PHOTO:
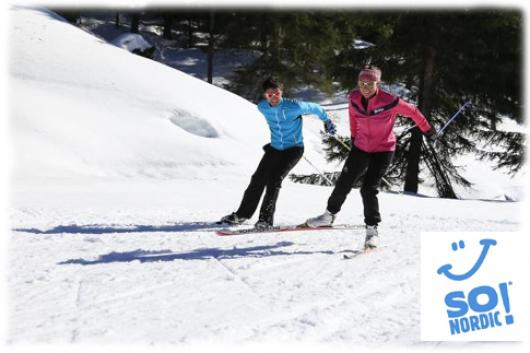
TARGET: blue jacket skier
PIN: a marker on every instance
(284, 117)
(285, 121)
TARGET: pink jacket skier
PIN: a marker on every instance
(372, 127)
(373, 113)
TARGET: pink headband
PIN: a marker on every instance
(370, 75)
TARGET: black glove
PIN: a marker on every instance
(330, 127)
(431, 135)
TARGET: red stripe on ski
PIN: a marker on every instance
(280, 229)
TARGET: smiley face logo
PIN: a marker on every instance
(445, 269)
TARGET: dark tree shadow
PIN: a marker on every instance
(277, 249)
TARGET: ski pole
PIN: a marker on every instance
(440, 132)
(348, 148)
(318, 170)
(410, 128)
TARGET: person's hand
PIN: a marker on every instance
(330, 127)
(431, 135)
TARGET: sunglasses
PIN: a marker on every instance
(275, 93)
(367, 84)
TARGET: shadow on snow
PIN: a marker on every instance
(277, 249)
(109, 229)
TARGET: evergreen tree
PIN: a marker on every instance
(297, 47)
(168, 26)
(135, 22)
(445, 58)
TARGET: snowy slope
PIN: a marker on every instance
(137, 117)
(121, 163)
(119, 114)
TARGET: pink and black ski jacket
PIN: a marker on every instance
(372, 129)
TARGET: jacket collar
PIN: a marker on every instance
(277, 105)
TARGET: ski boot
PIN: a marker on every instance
(372, 237)
(325, 219)
(262, 225)
(232, 219)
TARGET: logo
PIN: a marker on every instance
(469, 286)
(446, 268)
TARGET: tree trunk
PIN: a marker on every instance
(190, 32)
(263, 34)
(443, 183)
(275, 42)
(117, 20)
(168, 25)
(413, 162)
(493, 121)
(135, 23)
(211, 44)
(425, 105)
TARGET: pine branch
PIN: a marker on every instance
(315, 179)
(509, 147)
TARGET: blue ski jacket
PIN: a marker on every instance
(285, 121)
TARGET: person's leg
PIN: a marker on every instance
(285, 161)
(377, 167)
(353, 169)
(257, 184)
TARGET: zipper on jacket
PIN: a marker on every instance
(285, 119)
(279, 128)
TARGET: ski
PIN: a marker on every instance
(356, 253)
(280, 229)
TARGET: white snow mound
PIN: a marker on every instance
(80, 106)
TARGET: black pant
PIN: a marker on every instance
(273, 167)
(373, 166)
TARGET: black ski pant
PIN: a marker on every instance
(373, 166)
(272, 169)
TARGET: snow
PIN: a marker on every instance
(134, 118)
(362, 44)
(177, 282)
(121, 163)
(131, 42)
(511, 125)
(194, 62)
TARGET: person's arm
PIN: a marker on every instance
(316, 109)
(313, 108)
(411, 111)
(353, 120)
(260, 107)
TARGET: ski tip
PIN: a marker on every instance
(308, 227)
(356, 253)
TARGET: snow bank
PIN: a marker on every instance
(80, 106)
(131, 42)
